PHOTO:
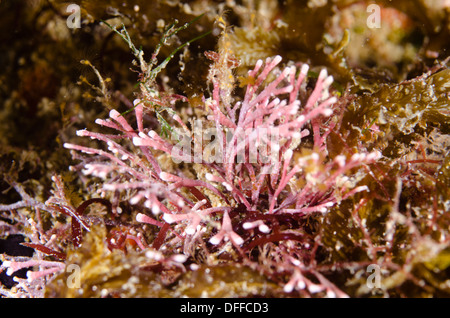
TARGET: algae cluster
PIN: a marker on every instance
(393, 85)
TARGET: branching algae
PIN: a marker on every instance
(257, 151)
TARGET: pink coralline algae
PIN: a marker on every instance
(255, 181)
